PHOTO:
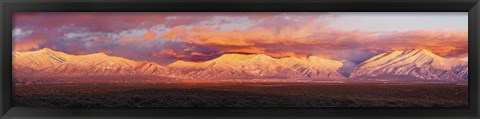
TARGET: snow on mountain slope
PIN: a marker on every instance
(41, 60)
(313, 67)
(422, 64)
(411, 64)
(54, 63)
(241, 66)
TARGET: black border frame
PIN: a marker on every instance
(10, 6)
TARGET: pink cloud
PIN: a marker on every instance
(274, 34)
(311, 33)
(33, 42)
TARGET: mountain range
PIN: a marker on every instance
(49, 62)
(240, 66)
(57, 66)
(422, 64)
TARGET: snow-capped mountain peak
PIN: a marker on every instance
(418, 64)
(421, 63)
(50, 62)
(242, 57)
(237, 66)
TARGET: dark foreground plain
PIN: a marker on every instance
(241, 95)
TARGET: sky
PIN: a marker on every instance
(165, 37)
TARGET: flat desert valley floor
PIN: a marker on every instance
(242, 95)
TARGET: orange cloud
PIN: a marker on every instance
(34, 41)
(264, 40)
(175, 32)
(255, 50)
(200, 54)
(289, 35)
(301, 34)
(126, 40)
(170, 53)
(25, 46)
(149, 35)
(441, 42)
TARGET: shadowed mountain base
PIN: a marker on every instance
(242, 95)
